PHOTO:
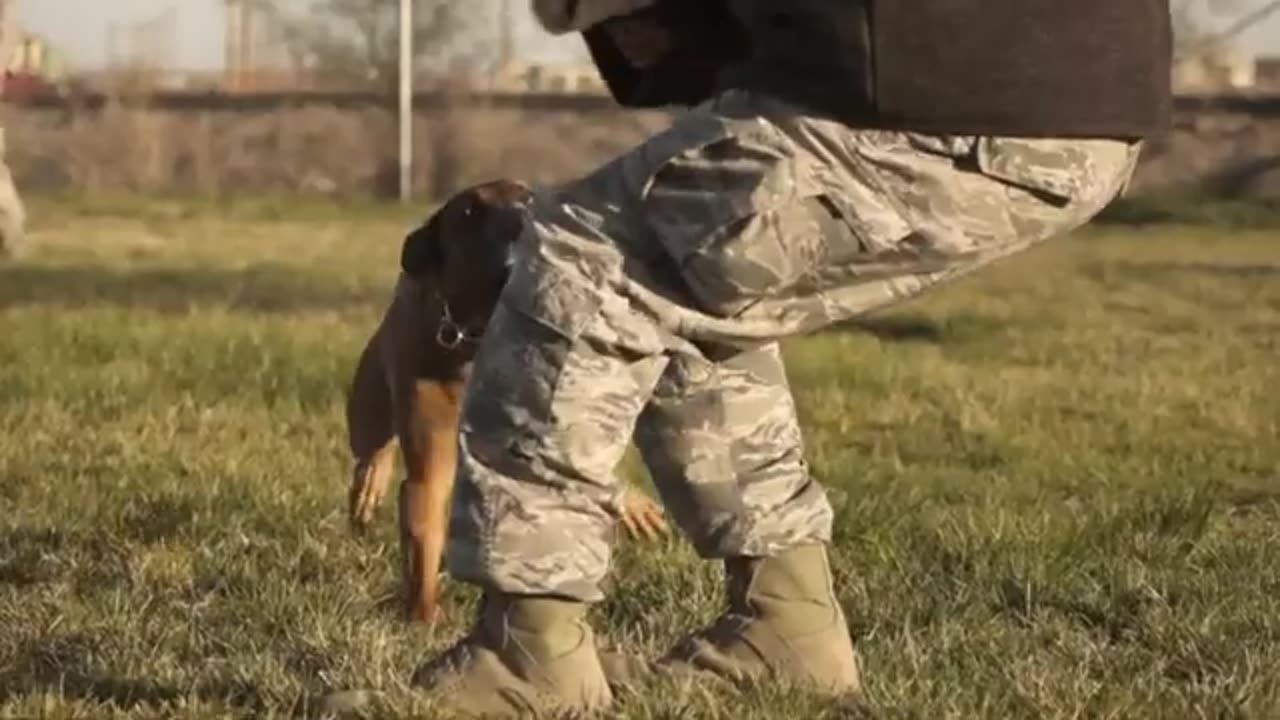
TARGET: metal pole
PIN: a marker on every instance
(234, 41)
(10, 33)
(406, 99)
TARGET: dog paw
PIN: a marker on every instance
(369, 483)
(425, 615)
(642, 517)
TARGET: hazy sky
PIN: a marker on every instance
(80, 27)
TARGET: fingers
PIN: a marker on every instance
(652, 525)
(643, 519)
(635, 528)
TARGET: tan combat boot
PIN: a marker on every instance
(783, 623)
(525, 655)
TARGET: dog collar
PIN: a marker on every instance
(450, 334)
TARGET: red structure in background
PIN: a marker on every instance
(18, 86)
(29, 66)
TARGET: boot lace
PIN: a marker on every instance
(724, 630)
(444, 670)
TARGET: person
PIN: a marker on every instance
(12, 213)
(837, 157)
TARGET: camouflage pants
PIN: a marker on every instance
(650, 298)
(12, 215)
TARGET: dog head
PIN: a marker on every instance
(465, 249)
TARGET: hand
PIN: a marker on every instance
(642, 517)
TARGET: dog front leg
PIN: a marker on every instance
(370, 432)
(430, 459)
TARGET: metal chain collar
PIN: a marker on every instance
(450, 334)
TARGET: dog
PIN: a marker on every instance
(412, 373)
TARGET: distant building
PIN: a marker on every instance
(32, 66)
(1267, 74)
(527, 77)
(33, 55)
(1216, 70)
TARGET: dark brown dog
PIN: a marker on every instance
(412, 373)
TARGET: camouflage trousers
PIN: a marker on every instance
(12, 214)
(649, 300)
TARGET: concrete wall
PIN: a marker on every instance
(1227, 147)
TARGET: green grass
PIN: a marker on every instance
(1058, 483)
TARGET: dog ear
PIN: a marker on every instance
(423, 249)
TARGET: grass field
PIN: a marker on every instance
(1058, 483)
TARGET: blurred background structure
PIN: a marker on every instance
(225, 96)
(293, 45)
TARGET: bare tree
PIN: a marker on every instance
(1193, 24)
(355, 42)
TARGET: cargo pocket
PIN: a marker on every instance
(552, 299)
(512, 411)
(741, 214)
(1055, 171)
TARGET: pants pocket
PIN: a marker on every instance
(537, 326)
(742, 213)
(1056, 171)
(553, 299)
